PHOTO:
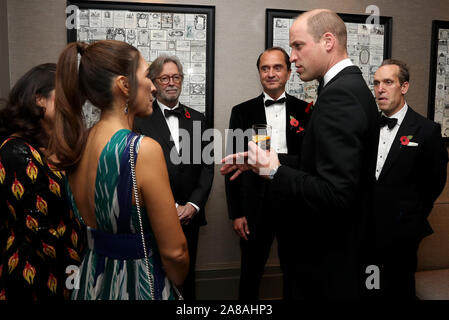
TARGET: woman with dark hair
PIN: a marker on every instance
(113, 76)
(39, 236)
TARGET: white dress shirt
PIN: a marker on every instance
(173, 126)
(332, 72)
(386, 138)
(275, 115)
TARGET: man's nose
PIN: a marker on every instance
(292, 57)
(380, 87)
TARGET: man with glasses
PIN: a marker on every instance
(175, 126)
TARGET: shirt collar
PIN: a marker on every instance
(163, 106)
(267, 97)
(400, 115)
(332, 72)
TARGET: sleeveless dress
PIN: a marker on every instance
(113, 267)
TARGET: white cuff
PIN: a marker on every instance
(195, 206)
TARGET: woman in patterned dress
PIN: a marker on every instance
(39, 236)
(112, 75)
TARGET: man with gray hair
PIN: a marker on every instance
(179, 130)
(334, 181)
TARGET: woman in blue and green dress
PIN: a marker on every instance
(112, 75)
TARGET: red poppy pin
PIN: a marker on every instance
(405, 140)
(309, 107)
(186, 113)
(293, 122)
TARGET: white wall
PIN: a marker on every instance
(4, 54)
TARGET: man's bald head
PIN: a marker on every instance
(320, 21)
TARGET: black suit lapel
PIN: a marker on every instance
(161, 127)
(259, 111)
(320, 86)
(290, 134)
(408, 128)
(186, 124)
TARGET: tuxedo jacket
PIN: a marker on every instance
(333, 184)
(246, 195)
(411, 179)
(190, 177)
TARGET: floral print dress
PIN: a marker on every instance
(39, 235)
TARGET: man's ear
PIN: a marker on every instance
(329, 40)
(122, 84)
(404, 87)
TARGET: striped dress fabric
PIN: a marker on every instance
(109, 271)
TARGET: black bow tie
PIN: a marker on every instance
(390, 122)
(172, 112)
(269, 102)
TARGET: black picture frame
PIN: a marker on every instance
(195, 37)
(307, 91)
(438, 103)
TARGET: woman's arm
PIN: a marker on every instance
(154, 185)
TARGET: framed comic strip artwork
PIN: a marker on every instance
(155, 29)
(368, 45)
(438, 109)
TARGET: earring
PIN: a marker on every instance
(126, 108)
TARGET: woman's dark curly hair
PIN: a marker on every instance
(20, 113)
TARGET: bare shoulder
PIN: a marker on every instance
(150, 149)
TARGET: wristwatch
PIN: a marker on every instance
(273, 172)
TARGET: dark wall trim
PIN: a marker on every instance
(224, 284)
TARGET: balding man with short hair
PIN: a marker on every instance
(251, 202)
(411, 173)
(335, 179)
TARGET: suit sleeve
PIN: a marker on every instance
(234, 188)
(202, 189)
(289, 160)
(338, 129)
(436, 168)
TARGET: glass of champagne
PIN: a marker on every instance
(262, 135)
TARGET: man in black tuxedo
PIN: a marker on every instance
(411, 173)
(335, 178)
(251, 202)
(179, 130)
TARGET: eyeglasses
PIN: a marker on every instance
(177, 78)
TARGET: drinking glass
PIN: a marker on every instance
(262, 135)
